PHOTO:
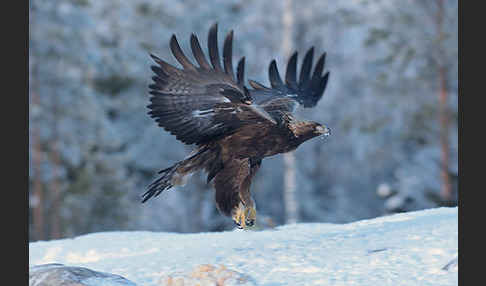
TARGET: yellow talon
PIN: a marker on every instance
(244, 217)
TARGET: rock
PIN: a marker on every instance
(56, 274)
(208, 275)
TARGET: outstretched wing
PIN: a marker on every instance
(286, 96)
(199, 104)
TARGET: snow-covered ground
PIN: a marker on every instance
(416, 248)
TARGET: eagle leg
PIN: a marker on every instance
(244, 216)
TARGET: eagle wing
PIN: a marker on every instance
(199, 104)
(285, 97)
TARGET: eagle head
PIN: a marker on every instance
(305, 130)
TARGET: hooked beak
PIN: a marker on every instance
(260, 111)
(324, 130)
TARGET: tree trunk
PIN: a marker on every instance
(446, 191)
(55, 218)
(37, 199)
(290, 200)
(446, 188)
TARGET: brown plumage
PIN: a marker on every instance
(233, 127)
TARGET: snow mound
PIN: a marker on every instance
(415, 248)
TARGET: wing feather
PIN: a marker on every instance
(213, 47)
(319, 67)
(201, 104)
(198, 53)
(179, 55)
(291, 73)
(240, 71)
(274, 76)
(227, 56)
(306, 66)
(257, 85)
(285, 97)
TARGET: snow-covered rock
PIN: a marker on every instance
(414, 248)
(55, 274)
(208, 275)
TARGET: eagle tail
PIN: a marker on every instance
(162, 183)
(177, 174)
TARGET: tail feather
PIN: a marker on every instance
(179, 172)
(161, 184)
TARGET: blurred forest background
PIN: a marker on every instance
(391, 102)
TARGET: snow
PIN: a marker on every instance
(414, 248)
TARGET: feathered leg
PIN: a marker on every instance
(244, 215)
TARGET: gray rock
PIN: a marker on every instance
(56, 274)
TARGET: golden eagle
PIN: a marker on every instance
(233, 127)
